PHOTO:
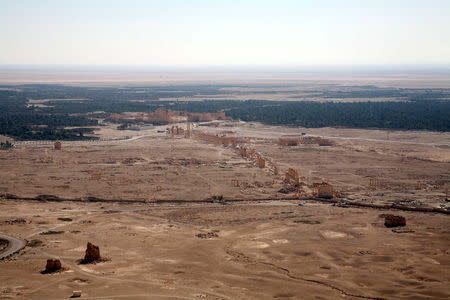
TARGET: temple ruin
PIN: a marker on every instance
(166, 116)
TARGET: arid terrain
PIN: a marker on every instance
(130, 77)
(188, 218)
(225, 150)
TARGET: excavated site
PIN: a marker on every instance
(228, 210)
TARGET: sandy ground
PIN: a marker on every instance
(129, 78)
(259, 252)
(147, 169)
(408, 167)
(248, 250)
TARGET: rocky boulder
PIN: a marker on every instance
(76, 294)
(92, 254)
(394, 221)
(52, 266)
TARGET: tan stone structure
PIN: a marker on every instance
(52, 266)
(288, 141)
(276, 171)
(394, 221)
(260, 162)
(235, 182)
(165, 116)
(176, 130)
(292, 176)
(243, 152)
(96, 176)
(218, 140)
(310, 140)
(92, 254)
(324, 190)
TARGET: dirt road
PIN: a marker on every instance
(14, 245)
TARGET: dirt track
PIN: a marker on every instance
(14, 245)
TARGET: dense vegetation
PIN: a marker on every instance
(28, 123)
(432, 115)
(419, 108)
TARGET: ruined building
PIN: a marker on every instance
(324, 190)
(260, 162)
(288, 141)
(292, 176)
(52, 266)
(175, 130)
(92, 254)
(165, 116)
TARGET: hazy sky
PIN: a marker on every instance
(216, 32)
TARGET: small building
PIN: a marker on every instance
(57, 146)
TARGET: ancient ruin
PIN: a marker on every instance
(394, 221)
(175, 130)
(76, 294)
(52, 266)
(218, 139)
(57, 146)
(165, 116)
(260, 162)
(275, 170)
(92, 254)
(96, 176)
(188, 131)
(292, 176)
(324, 190)
(311, 140)
(289, 141)
(375, 183)
(242, 151)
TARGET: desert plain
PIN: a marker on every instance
(180, 217)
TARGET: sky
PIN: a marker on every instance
(224, 32)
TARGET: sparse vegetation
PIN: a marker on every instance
(34, 243)
(6, 145)
(49, 232)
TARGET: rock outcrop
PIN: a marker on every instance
(92, 254)
(208, 235)
(76, 294)
(394, 221)
(52, 266)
